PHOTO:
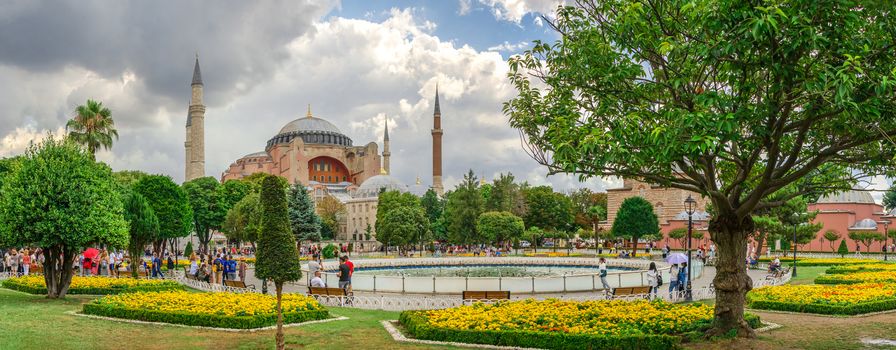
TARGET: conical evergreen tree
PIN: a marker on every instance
(303, 220)
(277, 257)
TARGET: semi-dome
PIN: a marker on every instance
(312, 130)
(372, 186)
(851, 196)
(864, 224)
(256, 154)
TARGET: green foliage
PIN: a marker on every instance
(501, 195)
(329, 251)
(831, 236)
(13, 284)
(842, 249)
(144, 225)
(547, 209)
(243, 221)
(680, 234)
(462, 210)
(825, 308)
(170, 204)
(405, 225)
(434, 206)
(416, 324)
(204, 320)
(277, 256)
(205, 198)
(304, 222)
(500, 226)
(57, 196)
(867, 238)
(635, 219)
(127, 178)
(391, 200)
(890, 198)
(330, 209)
(588, 207)
(92, 127)
(188, 250)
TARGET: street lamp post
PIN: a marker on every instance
(886, 238)
(795, 223)
(690, 204)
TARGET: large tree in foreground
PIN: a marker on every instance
(278, 259)
(59, 199)
(725, 98)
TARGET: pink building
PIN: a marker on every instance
(845, 212)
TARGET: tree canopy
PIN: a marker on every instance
(208, 206)
(635, 219)
(727, 99)
(406, 225)
(169, 203)
(58, 198)
(303, 220)
(500, 226)
(143, 225)
(92, 127)
(547, 209)
(462, 210)
(243, 221)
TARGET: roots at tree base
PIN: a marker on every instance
(731, 281)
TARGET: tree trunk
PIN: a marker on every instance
(280, 343)
(731, 281)
(760, 240)
(65, 277)
(51, 273)
(58, 273)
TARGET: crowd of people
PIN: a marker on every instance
(344, 272)
(19, 261)
(218, 267)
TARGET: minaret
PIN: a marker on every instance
(195, 144)
(437, 147)
(386, 152)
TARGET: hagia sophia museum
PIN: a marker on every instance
(312, 151)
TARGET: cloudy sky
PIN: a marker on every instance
(356, 62)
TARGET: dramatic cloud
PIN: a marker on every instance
(262, 65)
(515, 10)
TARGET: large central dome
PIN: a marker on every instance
(312, 130)
(310, 124)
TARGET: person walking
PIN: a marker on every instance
(26, 261)
(345, 277)
(194, 264)
(673, 281)
(171, 264)
(602, 269)
(14, 263)
(242, 270)
(219, 269)
(683, 277)
(231, 268)
(653, 280)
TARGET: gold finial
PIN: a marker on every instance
(418, 179)
(309, 111)
(383, 171)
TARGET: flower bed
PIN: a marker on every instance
(861, 268)
(841, 299)
(92, 285)
(556, 324)
(821, 262)
(219, 310)
(858, 277)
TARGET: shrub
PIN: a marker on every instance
(825, 299)
(188, 249)
(330, 251)
(842, 249)
(92, 285)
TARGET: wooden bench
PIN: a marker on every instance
(486, 295)
(327, 292)
(780, 273)
(238, 284)
(626, 291)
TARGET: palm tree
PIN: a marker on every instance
(92, 127)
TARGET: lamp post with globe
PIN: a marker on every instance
(690, 205)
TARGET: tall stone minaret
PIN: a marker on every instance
(386, 152)
(437, 147)
(195, 144)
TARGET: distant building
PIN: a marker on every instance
(849, 211)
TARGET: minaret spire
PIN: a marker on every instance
(194, 145)
(437, 146)
(197, 74)
(386, 153)
(308, 115)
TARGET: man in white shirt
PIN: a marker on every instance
(313, 266)
(316, 281)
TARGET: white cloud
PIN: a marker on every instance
(17, 141)
(515, 10)
(464, 7)
(508, 47)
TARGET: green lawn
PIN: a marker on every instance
(807, 274)
(33, 322)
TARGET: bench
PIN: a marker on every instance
(486, 295)
(326, 293)
(627, 291)
(238, 284)
(779, 273)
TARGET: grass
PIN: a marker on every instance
(807, 274)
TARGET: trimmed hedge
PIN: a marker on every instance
(417, 326)
(825, 309)
(217, 321)
(827, 280)
(10, 284)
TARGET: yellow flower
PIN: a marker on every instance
(227, 304)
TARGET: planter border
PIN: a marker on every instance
(820, 315)
(236, 330)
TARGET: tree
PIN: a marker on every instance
(277, 256)
(548, 210)
(59, 199)
(842, 249)
(867, 238)
(391, 200)
(243, 221)
(304, 221)
(433, 206)
(831, 236)
(92, 127)
(127, 178)
(534, 235)
(502, 193)
(585, 203)
(406, 225)
(726, 99)
(170, 204)
(330, 209)
(890, 198)
(462, 210)
(205, 198)
(500, 226)
(635, 219)
(233, 191)
(679, 234)
(188, 249)
(143, 224)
